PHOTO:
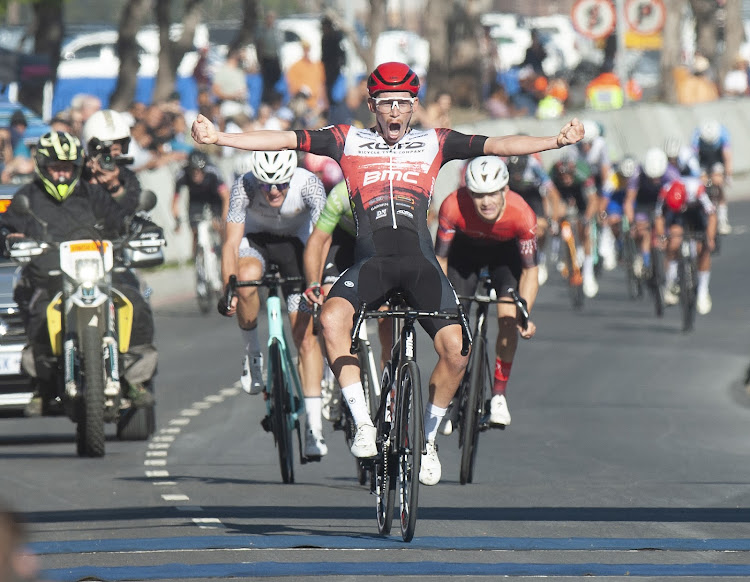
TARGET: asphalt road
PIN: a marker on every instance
(627, 456)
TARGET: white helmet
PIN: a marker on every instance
(274, 167)
(672, 146)
(655, 163)
(710, 132)
(591, 130)
(627, 166)
(108, 126)
(486, 174)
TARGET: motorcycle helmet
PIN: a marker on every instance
(655, 163)
(676, 196)
(486, 175)
(393, 76)
(274, 167)
(108, 127)
(53, 147)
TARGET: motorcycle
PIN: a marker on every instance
(89, 324)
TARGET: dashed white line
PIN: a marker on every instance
(208, 522)
(156, 453)
(214, 398)
(164, 483)
(157, 474)
(229, 391)
(155, 462)
(173, 430)
(179, 421)
(202, 405)
(175, 497)
(159, 445)
(190, 412)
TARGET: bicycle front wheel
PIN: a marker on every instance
(385, 470)
(474, 386)
(202, 283)
(635, 290)
(280, 411)
(575, 280)
(687, 293)
(410, 437)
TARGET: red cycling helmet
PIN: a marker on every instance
(393, 76)
(676, 196)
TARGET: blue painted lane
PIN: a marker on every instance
(421, 569)
(379, 543)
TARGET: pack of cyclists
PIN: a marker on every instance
(346, 209)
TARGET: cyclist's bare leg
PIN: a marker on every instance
(310, 354)
(248, 303)
(336, 322)
(507, 333)
(450, 367)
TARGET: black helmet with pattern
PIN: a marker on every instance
(55, 147)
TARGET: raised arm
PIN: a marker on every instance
(521, 145)
(203, 131)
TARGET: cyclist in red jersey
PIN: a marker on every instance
(485, 225)
(390, 170)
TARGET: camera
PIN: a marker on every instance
(102, 153)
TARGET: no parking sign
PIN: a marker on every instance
(645, 16)
(594, 18)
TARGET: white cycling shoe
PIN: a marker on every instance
(499, 413)
(703, 303)
(315, 445)
(364, 445)
(430, 471)
(590, 287)
(251, 380)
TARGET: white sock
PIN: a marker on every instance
(671, 273)
(251, 341)
(588, 266)
(313, 410)
(703, 278)
(355, 400)
(432, 417)
(721, 212)
(542, 257)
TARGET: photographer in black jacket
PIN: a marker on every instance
(71, 208)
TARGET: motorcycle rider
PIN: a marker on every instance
(62, 207)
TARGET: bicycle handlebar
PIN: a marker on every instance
(520, 303)
(270, 279)
(411, 314)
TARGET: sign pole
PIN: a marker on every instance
(620, 61)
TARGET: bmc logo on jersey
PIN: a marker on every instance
(387, 175)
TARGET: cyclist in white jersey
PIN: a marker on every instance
(272, 209)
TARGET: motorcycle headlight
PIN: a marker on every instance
(88, 271)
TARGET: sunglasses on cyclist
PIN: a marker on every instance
(268, 187)
(386, 104)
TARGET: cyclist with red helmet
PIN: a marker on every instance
(683, 205)
(391, 170)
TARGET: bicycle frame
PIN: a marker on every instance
(399, 418)
(573, 271)
(207, 262)
(283, 410)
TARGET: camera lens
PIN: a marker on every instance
(107, 162)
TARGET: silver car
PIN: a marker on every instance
(15, 385)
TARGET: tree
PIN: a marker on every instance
(47, 28)
(127, 50)
(172, 52)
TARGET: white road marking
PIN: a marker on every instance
(164, 483)
(190, 412)
(175, 497)
(157, 474)
(155, 462)
(208, 522)
(156, 453)
(179, 421)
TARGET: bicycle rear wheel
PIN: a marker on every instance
(280, 410)
(575, 280)
(385, 466)
(202, 283)
(658, 279)
(687, 293)
(635, 286)
(473, 385)
(410, 434)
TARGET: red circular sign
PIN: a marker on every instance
(594, 18)
(645, 16)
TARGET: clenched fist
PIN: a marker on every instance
(571, 133)
(203, 131)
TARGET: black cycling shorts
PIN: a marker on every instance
(340, 256)
(418, 275)
(468, 257)
(286, 252)
(693, 219)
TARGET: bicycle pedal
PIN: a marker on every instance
(266, 423)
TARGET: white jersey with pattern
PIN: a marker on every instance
(300, 210)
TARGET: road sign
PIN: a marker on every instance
(645, 16)
(594, 18)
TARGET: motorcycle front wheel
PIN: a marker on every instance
(90, 429)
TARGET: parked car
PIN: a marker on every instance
(15, 386)
(94, 54)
